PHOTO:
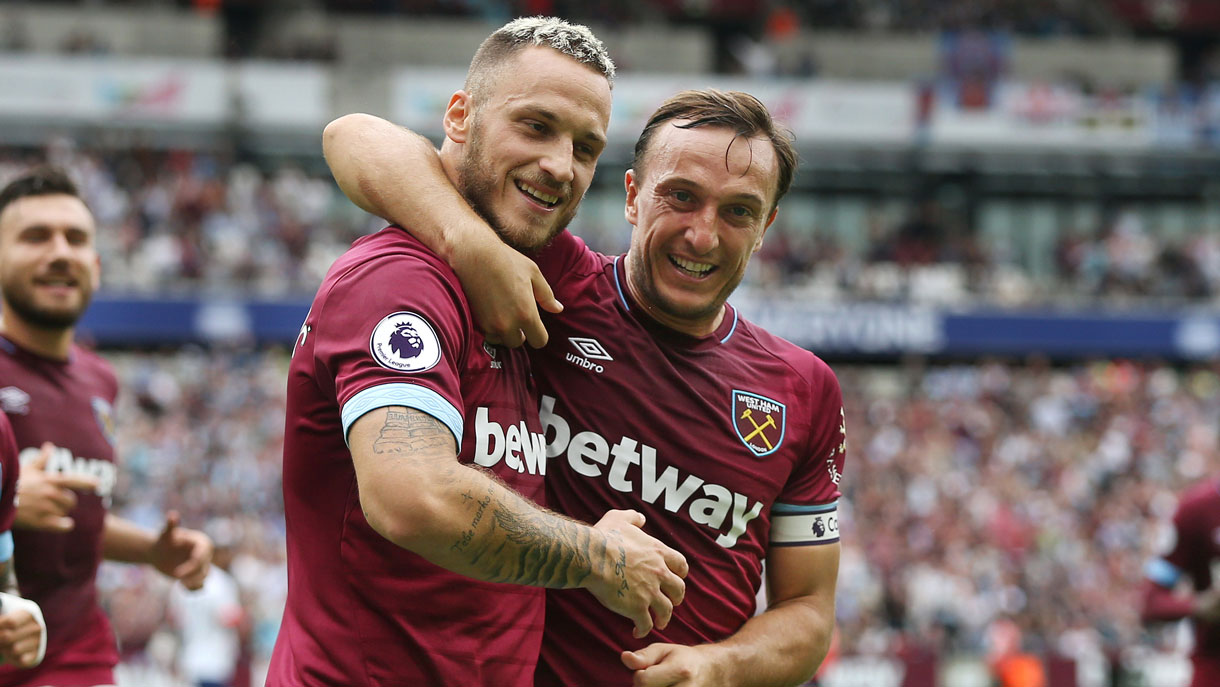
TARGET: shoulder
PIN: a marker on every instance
(388, 254)
(567, 257)
(802, 362)
(1199, 500)
(96, 368)
(389, 261)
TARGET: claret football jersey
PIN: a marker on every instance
(729, 444)
(68, 403)
(391, 327)
(1194, 556)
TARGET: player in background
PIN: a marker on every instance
(23, 633)
(58, 393)
(211, 621)
(658, 396)
(1185, 581)
(413, 454)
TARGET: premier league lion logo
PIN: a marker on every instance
(819, 528)
(405, 342)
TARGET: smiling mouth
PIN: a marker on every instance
(692, 268)
(56, 283)
(545, 199)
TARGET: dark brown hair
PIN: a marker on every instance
(741, 112)
(39, 181)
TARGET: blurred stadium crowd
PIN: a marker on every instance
(197, 222)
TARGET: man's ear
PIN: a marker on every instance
(629, 211)
(759, 241)
(458, 117)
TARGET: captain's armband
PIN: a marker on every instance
(793, 525)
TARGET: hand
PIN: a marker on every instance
(20, 637)
(502, 287)
(181, 553)
(44, 499)
(643, 579)
(662, 665)
(1207, 605)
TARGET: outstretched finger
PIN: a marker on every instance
(172, 519)
(71, 481)
(39, 462)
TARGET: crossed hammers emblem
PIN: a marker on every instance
(758, 429)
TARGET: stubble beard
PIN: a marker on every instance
(478, 187)
(651, 299)
(21, 304)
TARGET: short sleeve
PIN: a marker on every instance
(806, 511)
(392, 331)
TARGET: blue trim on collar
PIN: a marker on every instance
(733, 328)
(619, 286)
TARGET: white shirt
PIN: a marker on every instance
(207, 620)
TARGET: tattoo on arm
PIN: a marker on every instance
(416, 435)
(507, 539)
(520, 544)
(410, 432)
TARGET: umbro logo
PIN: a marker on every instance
(590, 350)
(14, 401)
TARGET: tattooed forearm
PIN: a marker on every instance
(519, 544)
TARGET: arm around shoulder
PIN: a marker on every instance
(396, 174)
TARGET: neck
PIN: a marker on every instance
(698, 327)
(48, 343)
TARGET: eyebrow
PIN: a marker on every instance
(551, 117)
(740, 197)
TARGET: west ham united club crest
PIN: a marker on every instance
(759, 421)
(105, 417)
(405, 342)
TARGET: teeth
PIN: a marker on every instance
(689, 266)
(544, 197)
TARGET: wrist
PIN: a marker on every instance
(606, 573)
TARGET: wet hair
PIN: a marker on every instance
(39, 181)
(741, 112)
(574, 40)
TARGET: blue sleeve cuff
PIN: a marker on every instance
(1162, 572)
(6, 547)
(420, 398)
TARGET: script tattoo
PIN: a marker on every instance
(468, 535)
